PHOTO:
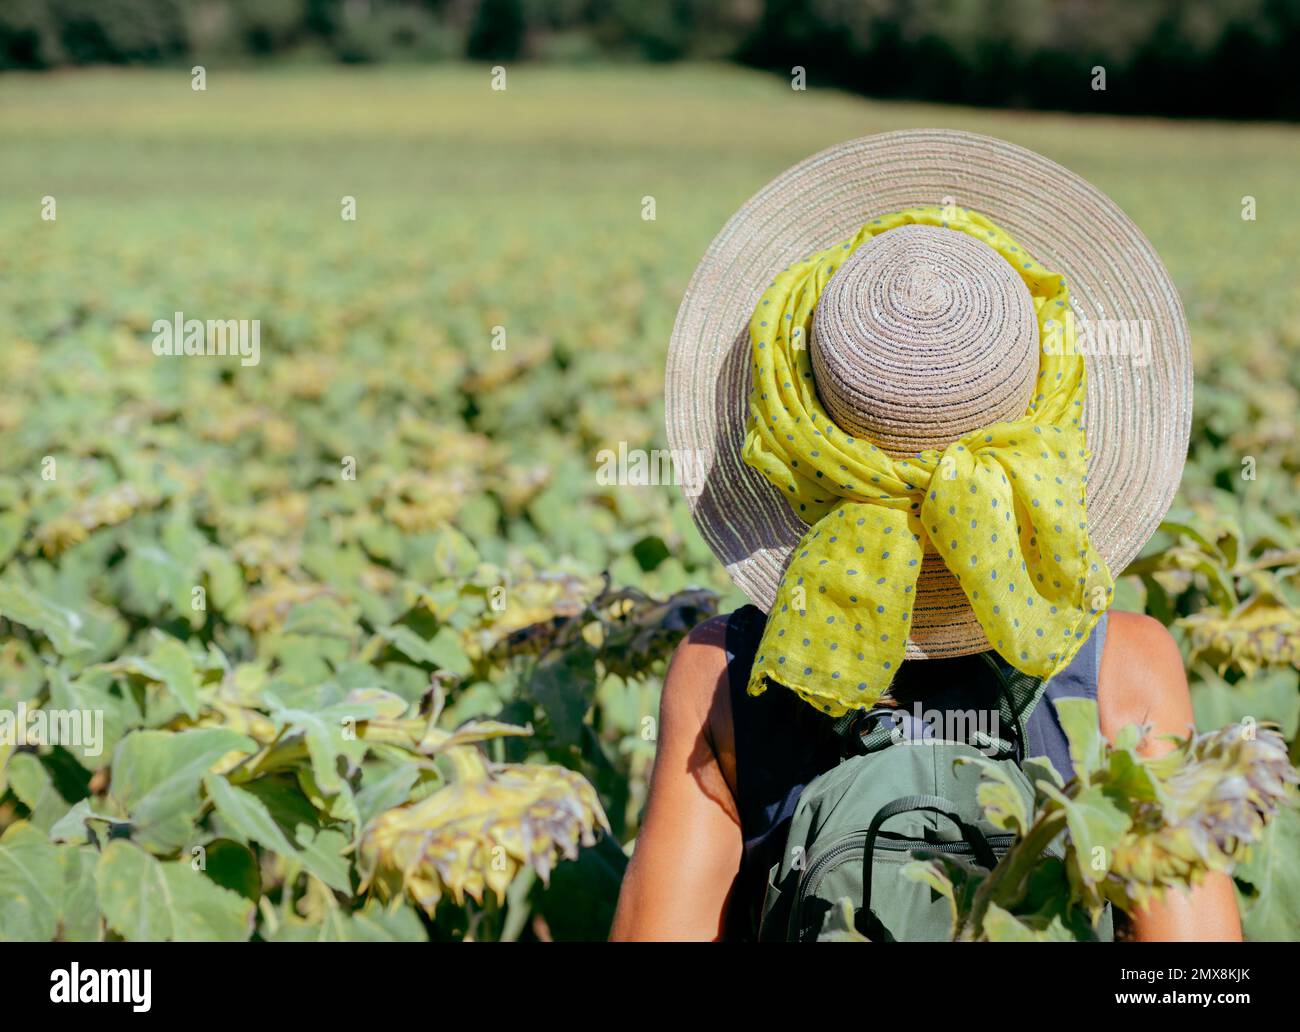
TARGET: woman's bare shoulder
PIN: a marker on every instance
(694, 674)
(1142, 678)
(696, 693)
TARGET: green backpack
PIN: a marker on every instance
(855, 826)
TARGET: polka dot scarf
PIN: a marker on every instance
(1003, 506)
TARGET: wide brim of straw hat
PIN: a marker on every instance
(1138, 414)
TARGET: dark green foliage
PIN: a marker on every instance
(1225, 59)
(46, 33)
(498, 31)
(1228, 58)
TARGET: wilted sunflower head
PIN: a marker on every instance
(1212, 807)
(479, 832)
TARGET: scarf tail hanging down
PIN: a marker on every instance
(1003, 506)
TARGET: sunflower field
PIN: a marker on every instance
(349, 639)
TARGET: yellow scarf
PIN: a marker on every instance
(1003, 506)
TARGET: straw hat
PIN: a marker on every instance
(925, 334)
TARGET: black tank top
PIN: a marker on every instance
(782, 743)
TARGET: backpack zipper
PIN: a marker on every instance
(855, 843)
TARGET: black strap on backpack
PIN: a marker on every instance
(1018, 694)
(865, 921)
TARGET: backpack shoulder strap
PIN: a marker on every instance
(1019, 694)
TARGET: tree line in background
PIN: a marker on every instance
(1217, 58)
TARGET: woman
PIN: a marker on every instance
(906, 481)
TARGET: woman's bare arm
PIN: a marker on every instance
(688, 852)
(1143, 682)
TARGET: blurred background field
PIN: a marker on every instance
(523, 209)
(478, 209)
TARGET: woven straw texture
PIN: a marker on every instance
(927, 333)
(923, 335)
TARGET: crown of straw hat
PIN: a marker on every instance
(924, 334)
